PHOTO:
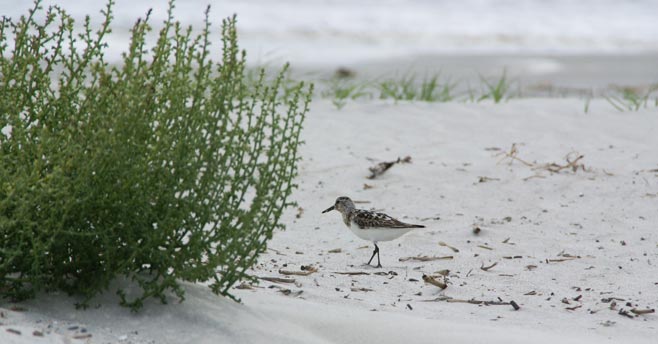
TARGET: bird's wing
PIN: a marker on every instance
(368, 219)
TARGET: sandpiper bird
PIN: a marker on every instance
(370, 225)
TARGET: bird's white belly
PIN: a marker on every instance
(379, 234)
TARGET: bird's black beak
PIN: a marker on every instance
(329, 209)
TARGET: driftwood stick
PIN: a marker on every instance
(515, 305)
(425, 258)
(354, 289)
(486, 268)
(625, 313)
(351, 273)
(480, 302)
(433, 281)
(454, 249)
(306, 270)
(476, 302)
(278, 279)
(382, 167)
(536, 175)
(558, 260)
(290, 292)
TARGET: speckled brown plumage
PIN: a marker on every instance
(367, 219)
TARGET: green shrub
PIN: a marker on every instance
(167, 167)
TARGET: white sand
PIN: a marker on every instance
(586, 214)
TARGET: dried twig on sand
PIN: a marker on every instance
(433, 281)
(566, 257)
(610, 299)
(351, 273)
(487, 268)
(536, 175)
(512, 155)
(278, 279)
(306, 270)
(441, 243)
(476, 302)
(625, 313)
(361, 289)
(573, 164)
(560, 260)
(425, 258)
(379, 169)
(276, 251)
(484, 179)
(289, 292)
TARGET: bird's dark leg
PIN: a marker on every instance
(379, 264)
(373, 254)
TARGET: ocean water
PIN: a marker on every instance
(323, 32)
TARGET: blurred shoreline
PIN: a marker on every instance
(546, 47)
